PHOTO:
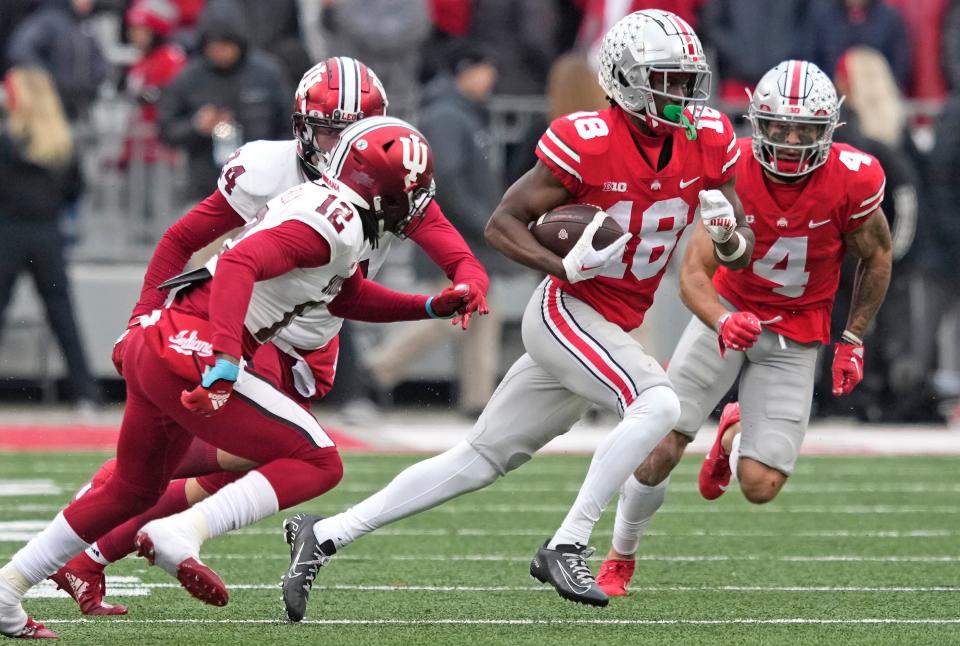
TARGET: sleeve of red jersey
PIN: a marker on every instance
(722, 150)
(448, 250)
(558, 149)
(204, 223)
(865, 189)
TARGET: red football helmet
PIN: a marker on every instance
(384, 166)
(332, 95)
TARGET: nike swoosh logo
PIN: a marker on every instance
(684, 184)
(585, 268)
(573, 586)
(814, 225)
(292, 572)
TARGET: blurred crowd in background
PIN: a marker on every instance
(118, 115)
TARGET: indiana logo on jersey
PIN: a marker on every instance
(188, 342)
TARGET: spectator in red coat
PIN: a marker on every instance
(150, 23)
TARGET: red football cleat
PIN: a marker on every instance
(715, 472)
(195, 577)
(87, 587)
(614, 576)
(33, 630)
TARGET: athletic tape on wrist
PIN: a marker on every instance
(850, 337)
(741, 247)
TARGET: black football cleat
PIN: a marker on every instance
(307, 556)
(565, 568)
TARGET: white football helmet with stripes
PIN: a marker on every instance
(647, 42)
(333, 94)
(793, 93)
(384, 167)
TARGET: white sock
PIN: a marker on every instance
(735, 455)
(241, 503)
(635, 509)
(417, 488)
(12, 588)
(94, 553)
(48, 551)
(647, 421)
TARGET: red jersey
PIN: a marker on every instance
(793, 275)
(597, 156)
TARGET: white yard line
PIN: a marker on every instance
(691, 558)
(466, 508)
(525, 622)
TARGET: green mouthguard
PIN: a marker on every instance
(675, 113)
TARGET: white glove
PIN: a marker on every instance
(717, 215)
(583, 261)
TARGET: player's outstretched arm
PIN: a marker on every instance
(537, 192)
(872, 244)
(722, 216)
(736, 330)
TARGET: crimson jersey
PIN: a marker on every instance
(793, 275)
(596, 157)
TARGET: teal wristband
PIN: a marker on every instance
(222, 369)
(430, 311)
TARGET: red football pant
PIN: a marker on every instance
(157, 430)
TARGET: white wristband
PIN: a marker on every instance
(741, 247)
(850, 337)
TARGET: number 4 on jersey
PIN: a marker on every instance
(785, 265)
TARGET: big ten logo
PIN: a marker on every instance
(615, 187)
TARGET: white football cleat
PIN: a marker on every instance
(177, 551)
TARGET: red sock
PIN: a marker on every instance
(200, 459)
(119, 542)
(214, 482)
(83, 563)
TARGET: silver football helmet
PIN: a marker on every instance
(793, 92)
(653, 41)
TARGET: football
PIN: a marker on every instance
(558, 230)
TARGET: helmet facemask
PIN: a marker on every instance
(788, 159)
(316, 137)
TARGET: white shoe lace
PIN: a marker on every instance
(577, 565)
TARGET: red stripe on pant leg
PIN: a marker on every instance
(583, 347)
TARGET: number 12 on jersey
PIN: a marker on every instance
(337, 214)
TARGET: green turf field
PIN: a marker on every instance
(856, 550)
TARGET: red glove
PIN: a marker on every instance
(452, 300)
(847, 367)
(214, 390)
(738, 331)
(476, 302)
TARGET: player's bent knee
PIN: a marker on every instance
(474, 469)
(758, 482)
(659, 406)
(662, 460)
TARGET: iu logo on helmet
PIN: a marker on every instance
(414, 157)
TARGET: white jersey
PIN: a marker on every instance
(257, 173)
(314, 329)
(277, 301)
